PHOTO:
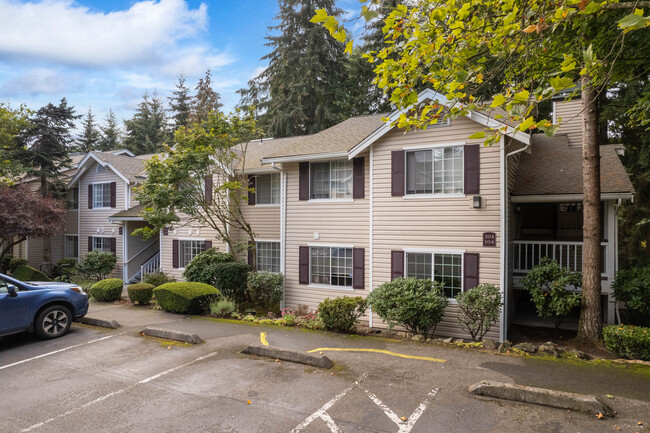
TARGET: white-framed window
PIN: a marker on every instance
(330, 179)
(100, 168)
(330, 266)
(187, 249)
(72, 198)
(435, 171)
(102, 244)
(267, 188)
(101, 195)
(71, 247)
(268, 256)
(446, 268)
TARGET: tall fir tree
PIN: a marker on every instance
(205, 101)
(111, 137)
(147, 130)
(89, 138)
(179, 103)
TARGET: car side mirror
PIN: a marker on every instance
(11, 289)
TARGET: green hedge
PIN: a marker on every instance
(340, 314)
(109, 290)
(27, 273)
(189, 298)
(231, 279)
(15, 262)
(140, 293)
(628, 341)
(203, 266)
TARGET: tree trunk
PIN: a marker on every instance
(590, 324)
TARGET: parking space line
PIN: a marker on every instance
(385, 352)
(60, 350)
(263, 339)
(114, 393)
(406, 425)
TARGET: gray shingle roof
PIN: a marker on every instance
(127, 165)
(129, 213)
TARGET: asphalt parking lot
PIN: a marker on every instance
(119, 381)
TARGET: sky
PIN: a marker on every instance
(106, 54)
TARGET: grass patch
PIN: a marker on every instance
(167, 343)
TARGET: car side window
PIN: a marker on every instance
(3, 286)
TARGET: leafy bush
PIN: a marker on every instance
(140, 293)
(310, 321)
(190, 298)
(340, 314)
(158, 279)
(288, 317)
(223, 308)
(15, 262)
(82, 281)
(66, 268)
(202, 268)
(547, 284)
(418, 305)
(4, 262)
(231, 279)
(98, 264)
(265, 288)
(628, 341)
(108, 290)
(27, 273)
(479, 309)
(633, 287)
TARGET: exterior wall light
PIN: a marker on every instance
(476, 203)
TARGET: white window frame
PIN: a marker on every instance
(433, 252)
(180, 251)
(103, 248)
(275, 200)
(431, 148)
(95, 195)
(257, 253)
(349, 288)
(76, 246)
(330, 199)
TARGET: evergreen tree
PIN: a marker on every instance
(89, 138)
(179, 104)
(111, 137)
(147, 130)
(205, 101)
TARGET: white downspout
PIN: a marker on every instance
(370, 230)
(283, 228)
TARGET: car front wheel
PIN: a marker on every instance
(53, 322)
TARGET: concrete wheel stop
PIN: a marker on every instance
(290, 355)
(541, 396)
(170, 334)
(112, 324)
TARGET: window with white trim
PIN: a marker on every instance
(330, 179)
(331, 266)
(102, 244)
(435, 171)
(442, 267)
(267, 188)
(268, 256)
(71, 247)
(187, 251)
(101, 195)
(72, 198)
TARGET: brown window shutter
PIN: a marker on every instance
(90, 196)
(303, 266)
(303, 188)
(114, 246)
(396, 264)
(472, 169)
(208, 245)
(175, 253)
(470, 271)
(165, 231)
(251, 194)
(358, 268)
(90, 243)
(113, 194)
(358, 178)
(250, 253)
(397, 173)
(208, 189)
(119, 231)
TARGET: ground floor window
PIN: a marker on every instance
(331, 266)
(71, 247)
(189, 249)
(102, 244)
(268, 256)
(444, 268)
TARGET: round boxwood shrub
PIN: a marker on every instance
(340, 314)
(140, 293)
(186, 298)
(202, 268)
(109, 290)
(27, 273)
(265, 289)
(479, 309)
(15, 262)
(628, 341)
(231, 278)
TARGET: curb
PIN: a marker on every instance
(541, 396)
(170, 334)
(112, 324)
(290, 355)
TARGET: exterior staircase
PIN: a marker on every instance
(149, 267)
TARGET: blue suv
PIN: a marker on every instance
(45, 308)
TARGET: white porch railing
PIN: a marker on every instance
(528, 254)
(150, 266)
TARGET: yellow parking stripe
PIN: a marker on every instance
(263, 338)
(385, 352)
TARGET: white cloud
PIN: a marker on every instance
(38, 81)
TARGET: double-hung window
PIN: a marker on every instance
(102, 244)
(101, 195)
(71, 247)
(72, 198)
(445, 268)
(330, 179)
(435, 171)
(268, 256)
(267, 188)
(331, 266)
(187, 250)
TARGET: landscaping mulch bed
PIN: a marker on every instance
(561, 337)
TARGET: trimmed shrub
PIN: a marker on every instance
(479, 309)
(98, 264)
(340, 314)
(231, 279)
(203, 267)
(547, 284)
(140, 293)
(628, 341)
(109, 290)
(158, 279)
(186, 298)
(15, 262)
(223, 308)
(265, 289)
(27, 273)
(418, 305)
(633, 287)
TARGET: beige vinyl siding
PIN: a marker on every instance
(265, 221)
(568, 114)
(336, 222)
(513, 166)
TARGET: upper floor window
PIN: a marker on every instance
(72, 198)
(267, 188)
(101, 195)
(435, 171)
(330, 179)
